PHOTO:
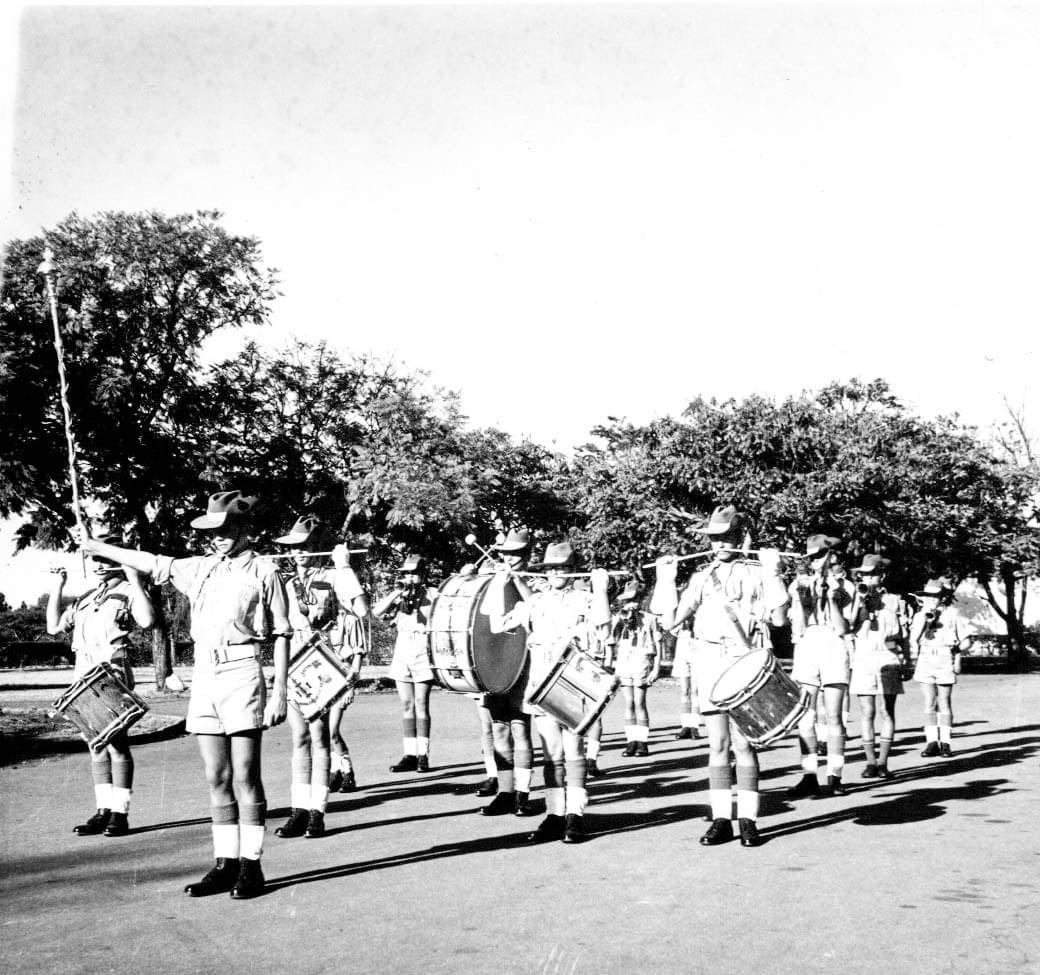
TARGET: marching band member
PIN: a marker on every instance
(410, 667)
(329, 600)
(941, 634)
(876, 666)
(638, 664)
(731, 600)
(602, 651)
(821, 606)
(100, 622)
(553, 618)
(237, 602)
(510, 723)
(690, 720)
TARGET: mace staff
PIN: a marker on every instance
(47, 270)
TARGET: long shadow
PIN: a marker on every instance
(154, 827)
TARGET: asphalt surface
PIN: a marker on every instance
(935, 870)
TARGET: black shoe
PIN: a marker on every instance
(930, 750)
(684, 734)
(945, 751)
(749, 833)
(487, 788)
(807, 786)
(218, 881)
(720, 831)
(349, 783)
(870, 771)
(592, 770)
(422, 763)
(574, 829)
(642, 750)
(408, 763)
(315, 824)
(117, 825)
(550, 828)
(336, 781)
(503, 803)
(294, 826)
(883, 771)
(96, 824)
(522, 806)
(250, 882)
(630, 749)
(835, 787)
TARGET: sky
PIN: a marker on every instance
(568, 212)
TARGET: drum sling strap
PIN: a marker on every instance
(731, 614)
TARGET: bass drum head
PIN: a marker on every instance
(742, 675)
(498, 658)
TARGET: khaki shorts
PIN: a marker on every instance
(682, 665)
(821, 658)
(411, 661)
(876, 672)
(228, 700)
(935, 667)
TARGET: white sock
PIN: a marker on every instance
(319, 797)
(250, 841)
(641, 732)
(505, 780)
(345, 764)
(576, 800)
(555, 801)
(410, 746)
(335, 762)
(835, 765)
(747, 804)
(423, 745)
(522, 779)
(489, 766)
(225, 841)
(688, 720)
(103, 795)
(630, 733)
(300, 795)
(721, 801)
(592, 748)
(931, 732)
(810, 764)
(120, 800)
(945, 733)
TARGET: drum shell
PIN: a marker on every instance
(317, 678)
(100, 705)
(764, 708)
(465, 655)
(576, 691)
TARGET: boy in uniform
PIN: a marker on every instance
(237, 603)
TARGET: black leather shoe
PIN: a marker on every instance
(835, 787)
(349, 783)
(422, 763)
(749, 833)
(642, 750)
(592, 770)
(574, 829)
(720, 831)
(503, 803)
(487, 788)
(219, 880)
(96, 824)
(315, 824)
(684, 734)
(870, 771)
(808, 786)
(884, 772)
(550, 828)
(522, 806)
(930, 750)
(294, 826)
(118, 825)
(336, 781)
(945, 751)
(250, 882)
(408, 763)
(630, 749)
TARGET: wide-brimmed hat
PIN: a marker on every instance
(558, 556)
(935, 587)
(224, 507)
(412, 563)
(818, 544)
(109, 538)
(722, 522)
(515, 541)
(302, 532)
(873, 563)
(630, 593)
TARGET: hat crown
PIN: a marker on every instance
(515, 541)
(412, 563)
(873, 563)
(820, 543)
(559, 553)
(723, 520)
(229, 503)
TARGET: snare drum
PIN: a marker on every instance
(576, 691)
(100, 705)
(464, 654)
(317, 677)
(764, 703)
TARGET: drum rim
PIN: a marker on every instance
(749, 689)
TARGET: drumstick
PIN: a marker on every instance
(472, 540)
(739, 551)
(292, 555)
(572, 575)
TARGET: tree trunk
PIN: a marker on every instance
(162, 656)
(1017, 654)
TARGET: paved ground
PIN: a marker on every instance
(933, 871)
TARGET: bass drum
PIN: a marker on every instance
(464, 654)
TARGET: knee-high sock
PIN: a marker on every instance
(836, 751)
(422, 731)
(641, 733)
(554, 795)
(101, 772)
(522, 779)
(886, 747)
(122, 784)
(747, 792)
(410, 735)
(225, 831)
(945, 727)
(720, 791)
(931, 729)
(300, 790)
(251, 830)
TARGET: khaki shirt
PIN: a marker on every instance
(724, 588)
(806, 605)
(323, 596)
(101, 621)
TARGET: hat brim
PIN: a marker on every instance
(208, 522)
(718, 529)
(512, 547)
(294, 538)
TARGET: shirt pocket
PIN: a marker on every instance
(247, 621)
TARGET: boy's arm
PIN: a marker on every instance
(140, 605)
(55, 617)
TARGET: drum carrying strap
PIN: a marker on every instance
(730, 612)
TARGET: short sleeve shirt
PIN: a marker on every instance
(100, 621)
(735, 585)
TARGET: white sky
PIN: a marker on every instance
(566, 211)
